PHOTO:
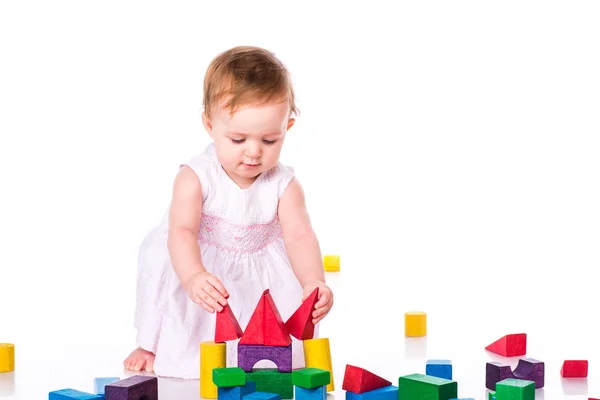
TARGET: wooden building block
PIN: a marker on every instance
(415, 324)
(263, 396)
(527, 369)
(439, 368)
(317, 354)
(235, 392)
(228, 377)
(212, 355)
(465, 398)
(492, 395)
(511, 345)
(310, 378)
(317, 393)
(272, 381)
(384, 393)
(72, 394)
(359, 380)
(515, 389)
(300, 325)
(7, 357)
(250, 354)
(227, 326)
(134, 387)
(574, 369)
(266, 326)
(419, 386)
(100, 383)
(331, 263)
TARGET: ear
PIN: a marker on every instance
(207, 124)
(290, 123)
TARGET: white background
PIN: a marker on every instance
(449, 152)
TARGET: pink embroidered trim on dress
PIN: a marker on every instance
(237, 238)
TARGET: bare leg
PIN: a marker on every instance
(139, 360)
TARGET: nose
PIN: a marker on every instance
(254, 149)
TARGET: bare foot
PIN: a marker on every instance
(139, 360)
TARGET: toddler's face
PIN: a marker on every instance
(249, 142)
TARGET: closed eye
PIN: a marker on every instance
(238, 141)
(269, 142)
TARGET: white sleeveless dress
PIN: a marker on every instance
(241, 243)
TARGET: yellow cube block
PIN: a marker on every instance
(415, 323)
(331, 263)
(7, 357)
(212, 355)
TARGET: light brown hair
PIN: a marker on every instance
(246, 75)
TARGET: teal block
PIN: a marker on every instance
(72, 394)
(100, 383)
(439, 368)
(319, 393)
(262, 396)
(235, 392)
(385, 393)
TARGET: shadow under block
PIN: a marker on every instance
(527, 369)
(318, 393)
(250, 354)
(359, 380)
(300, 324)
(272, 381)
(384, 393)
(228, 377)
(212, 355)
(574, 369)
(515, 389)
(439, 368)
(72, 394)
(415, 324)
(331, 263)
(310, 378)
(317, 354)
(227, 326)
(236, 392)
(134, 387)
(511, 345)
(419, 386)
(100, 383)
(7, 357)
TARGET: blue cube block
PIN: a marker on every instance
(99, 383)
(236, 392)
(72, 394)
(262, 396)
(439, 368)
(385, 393)
(318, 393)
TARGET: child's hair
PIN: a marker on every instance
(246, 75)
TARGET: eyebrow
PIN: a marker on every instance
(247, 134)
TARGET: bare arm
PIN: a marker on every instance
(299, 237)
(184, 220)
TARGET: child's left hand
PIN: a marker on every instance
(323, 305)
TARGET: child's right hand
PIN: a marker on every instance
(207, 291)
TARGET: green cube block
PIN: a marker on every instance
(491, 395)
(515, 389)
(229, 377)
(425, 387)
(270, 380)
(310, 378)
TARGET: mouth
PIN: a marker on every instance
(250, 165)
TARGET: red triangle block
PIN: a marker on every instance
(276, 334)
(300, 325)
(227, 326)
(359, 380)
(511, 345)
(266, 326)
(255, 332)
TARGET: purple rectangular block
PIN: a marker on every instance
(133, 388)
(250, 354)
(527, 369)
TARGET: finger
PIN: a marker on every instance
(214, 293)
(323, 300)
(213, 280)
(210, 301)
(198, 300)
(322, 314)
